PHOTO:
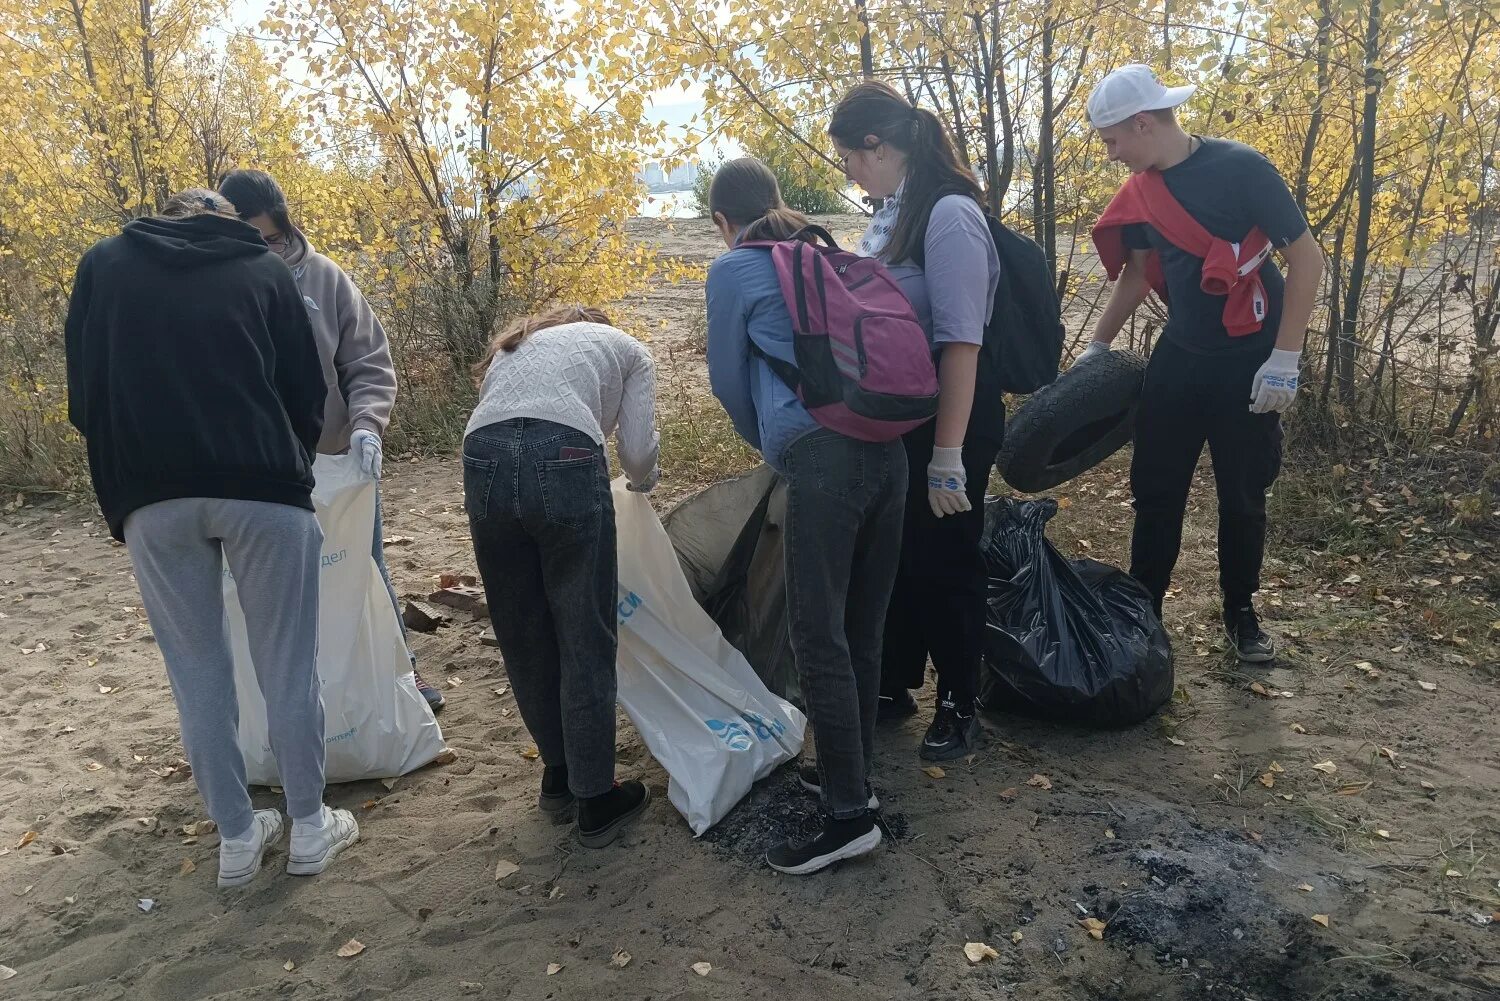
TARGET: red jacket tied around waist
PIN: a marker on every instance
(1229, 269)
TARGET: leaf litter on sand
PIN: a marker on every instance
(703, 969)
(1040, 782)
(1321, 919)
(1326, 767)
(351, 948)
(553, 969)
(620, 959)
(1094, 927)
(505, 868)
(934, 772)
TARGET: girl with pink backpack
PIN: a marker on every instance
(814, 396)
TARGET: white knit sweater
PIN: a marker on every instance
(586, 376)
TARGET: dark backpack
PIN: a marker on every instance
(1023, 342)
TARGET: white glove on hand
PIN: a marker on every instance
(1275, 385)
(366, 445)
(947, 482)
(1094, 349)
(646, 485)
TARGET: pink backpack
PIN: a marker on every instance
(864, 367)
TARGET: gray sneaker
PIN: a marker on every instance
(1251, 643)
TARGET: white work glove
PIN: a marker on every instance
(366, 445)
(1275, 385)
(646, 485)
(1094, 349)
(947, 481)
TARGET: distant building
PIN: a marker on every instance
(660, 181)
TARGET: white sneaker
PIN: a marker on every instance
(314, 847)
(239, 861)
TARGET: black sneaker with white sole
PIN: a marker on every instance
(602, 818)
(813, 783)
(952, 735)
(1251, 643)
(555, 796)
(839, 840)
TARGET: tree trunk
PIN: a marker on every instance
(1046, 222)
(1315, 124)
(1360, 255)
(1335, 324)
(160, 185)
(866, 49)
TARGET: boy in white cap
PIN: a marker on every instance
(1197, 221)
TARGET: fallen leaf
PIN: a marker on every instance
(1354, 788)
(6, 973)
(1298, 728)
(1016, 937)
(369, 804)
(934, 772)
(620, 960)
(531, 754)
(1428, 786)
(1388, 754)
(445, 757)
(1109, 832)
(189, 841)
(1383, 834)
(1095, 927)
(455, 682)
(93, 766)
(553, 969)
(1040, 782)
(1305, 887)
(187, 867)
(1326, 767)
(1260, 689)
(145, 904)
(389, 784)
(1176, 743)
(702, 969)
(978, 952)
(351, 948)
(1454, 874)
(26, 839)
(289, 966)
(70, 900)
(971, 759)
(505, 868)
(1321, 919)
(1010, 794)
(1427, 686)
(199, 829)
(105, 689)
(501, 690)
(1275, 768)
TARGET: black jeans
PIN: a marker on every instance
(842, 543)
(543, 523)
(938, 607)
(1188, 399)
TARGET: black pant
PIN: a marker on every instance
(1188, 399)
(842, 543)
(544, 537)
(938, 606)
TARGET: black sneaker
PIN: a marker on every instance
(602, 818)
(555, 796)
(1251, 643)
(951, 735)
(813, 783)
(839, 840)
(896, 707)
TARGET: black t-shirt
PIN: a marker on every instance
(1230, 189)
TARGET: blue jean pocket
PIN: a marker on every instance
(572, 490)
(479, 474)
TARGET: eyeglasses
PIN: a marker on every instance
(279, 242)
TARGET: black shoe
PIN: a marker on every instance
(602, 818)
(839, 840)
(813, 783)
(951, 734)
(555, 796)
(1250, 642)
(896, 707)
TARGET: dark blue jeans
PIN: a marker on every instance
(543, 523)
(845, 500)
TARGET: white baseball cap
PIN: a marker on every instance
(1129, 91)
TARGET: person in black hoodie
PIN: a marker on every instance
(194, 378)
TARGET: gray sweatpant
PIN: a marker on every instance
(178, 548)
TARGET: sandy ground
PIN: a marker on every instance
(1207, 878)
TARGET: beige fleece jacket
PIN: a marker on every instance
(352, 346)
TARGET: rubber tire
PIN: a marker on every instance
(1071, 426)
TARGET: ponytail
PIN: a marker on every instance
(746, 194)
(933, 167)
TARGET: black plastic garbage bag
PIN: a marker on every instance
(1074, 641)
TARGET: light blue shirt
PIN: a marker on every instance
(746, 312)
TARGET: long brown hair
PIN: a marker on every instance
(513, 334)
(745, 192)
(933, 168)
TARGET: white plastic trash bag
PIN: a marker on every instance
(698, 704)
(377, 723)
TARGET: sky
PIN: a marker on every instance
(676, 107)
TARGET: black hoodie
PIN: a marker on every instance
(192, 369)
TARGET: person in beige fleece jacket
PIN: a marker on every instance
(352, 347)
